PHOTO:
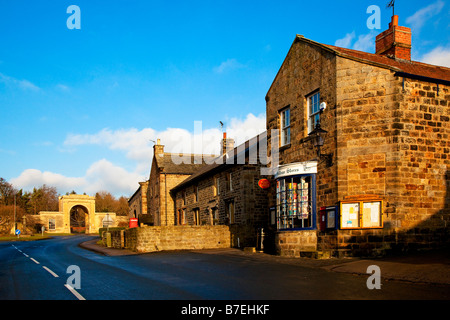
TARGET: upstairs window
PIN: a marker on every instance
(313, 111)
(196, 193)
(216, 186)
(229, 182)
(285, 121)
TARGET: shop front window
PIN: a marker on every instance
(296, 202)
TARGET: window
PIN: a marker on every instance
(296, 202)
(285, 124)
(196, 193)
(229, 182)
(181, 216)
(183, 197)
(197, 216)
(313, 111)
(51, 224)
(216, 186)
(230, 211)
(215, 216)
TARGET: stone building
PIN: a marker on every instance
(167, 171)
(382, 175)
(226, 192)
(137, 204)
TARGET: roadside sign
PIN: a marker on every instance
(107, 221)
(17, 232)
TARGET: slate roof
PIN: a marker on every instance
(405, 68)
(220, 162)
(178, 163)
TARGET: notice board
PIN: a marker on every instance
(361, 214)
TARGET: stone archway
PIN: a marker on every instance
(79, 217)
(76, 215)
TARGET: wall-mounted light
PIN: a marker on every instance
(317, 137)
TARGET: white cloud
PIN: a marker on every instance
(137, 147)
(62, 87)
(418, 19)
(439, 56)
(346, 41)
(364, 42)
(31, 178)
(230, 64)
(21, 84)
(101, 175)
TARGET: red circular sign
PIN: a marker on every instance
(264, 183)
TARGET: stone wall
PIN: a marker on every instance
(160, 238)
(296, 243)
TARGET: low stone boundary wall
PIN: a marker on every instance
(159, 238)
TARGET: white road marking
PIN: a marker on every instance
(51, 272)
(25, 255)
(75, 293)
(37, 262)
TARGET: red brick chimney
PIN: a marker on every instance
(395, 42)
(226, 144)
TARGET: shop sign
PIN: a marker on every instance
(296, 168)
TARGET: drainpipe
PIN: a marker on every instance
(165, 191)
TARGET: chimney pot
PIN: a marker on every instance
(394, 42)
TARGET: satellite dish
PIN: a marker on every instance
(323, 106)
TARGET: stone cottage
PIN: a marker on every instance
(167, 171)
(226, 192)
(364, 149)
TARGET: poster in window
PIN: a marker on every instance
(371, 214)
(350, 215)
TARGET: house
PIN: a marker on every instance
(226, 192)
(167, 171)
(137, 204)
(364, 149)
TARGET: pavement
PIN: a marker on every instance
(427, 267)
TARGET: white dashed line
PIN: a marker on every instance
(25, 255)
(75, 293)
(50, 271)
(37, 262)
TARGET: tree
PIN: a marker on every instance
(104, 202)
(44, 198)
(7, 192)
(122, 206)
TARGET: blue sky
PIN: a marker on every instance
(79, 108)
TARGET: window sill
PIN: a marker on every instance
(286, 146)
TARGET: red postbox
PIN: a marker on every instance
(133, 222)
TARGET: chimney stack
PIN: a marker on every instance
(158, 149)
(226, 144)
(394, 42)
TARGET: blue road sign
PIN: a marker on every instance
(17, 231)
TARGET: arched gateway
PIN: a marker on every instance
(76, 215)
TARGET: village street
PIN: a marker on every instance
(41, 270)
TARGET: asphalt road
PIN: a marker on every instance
(38, 270)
